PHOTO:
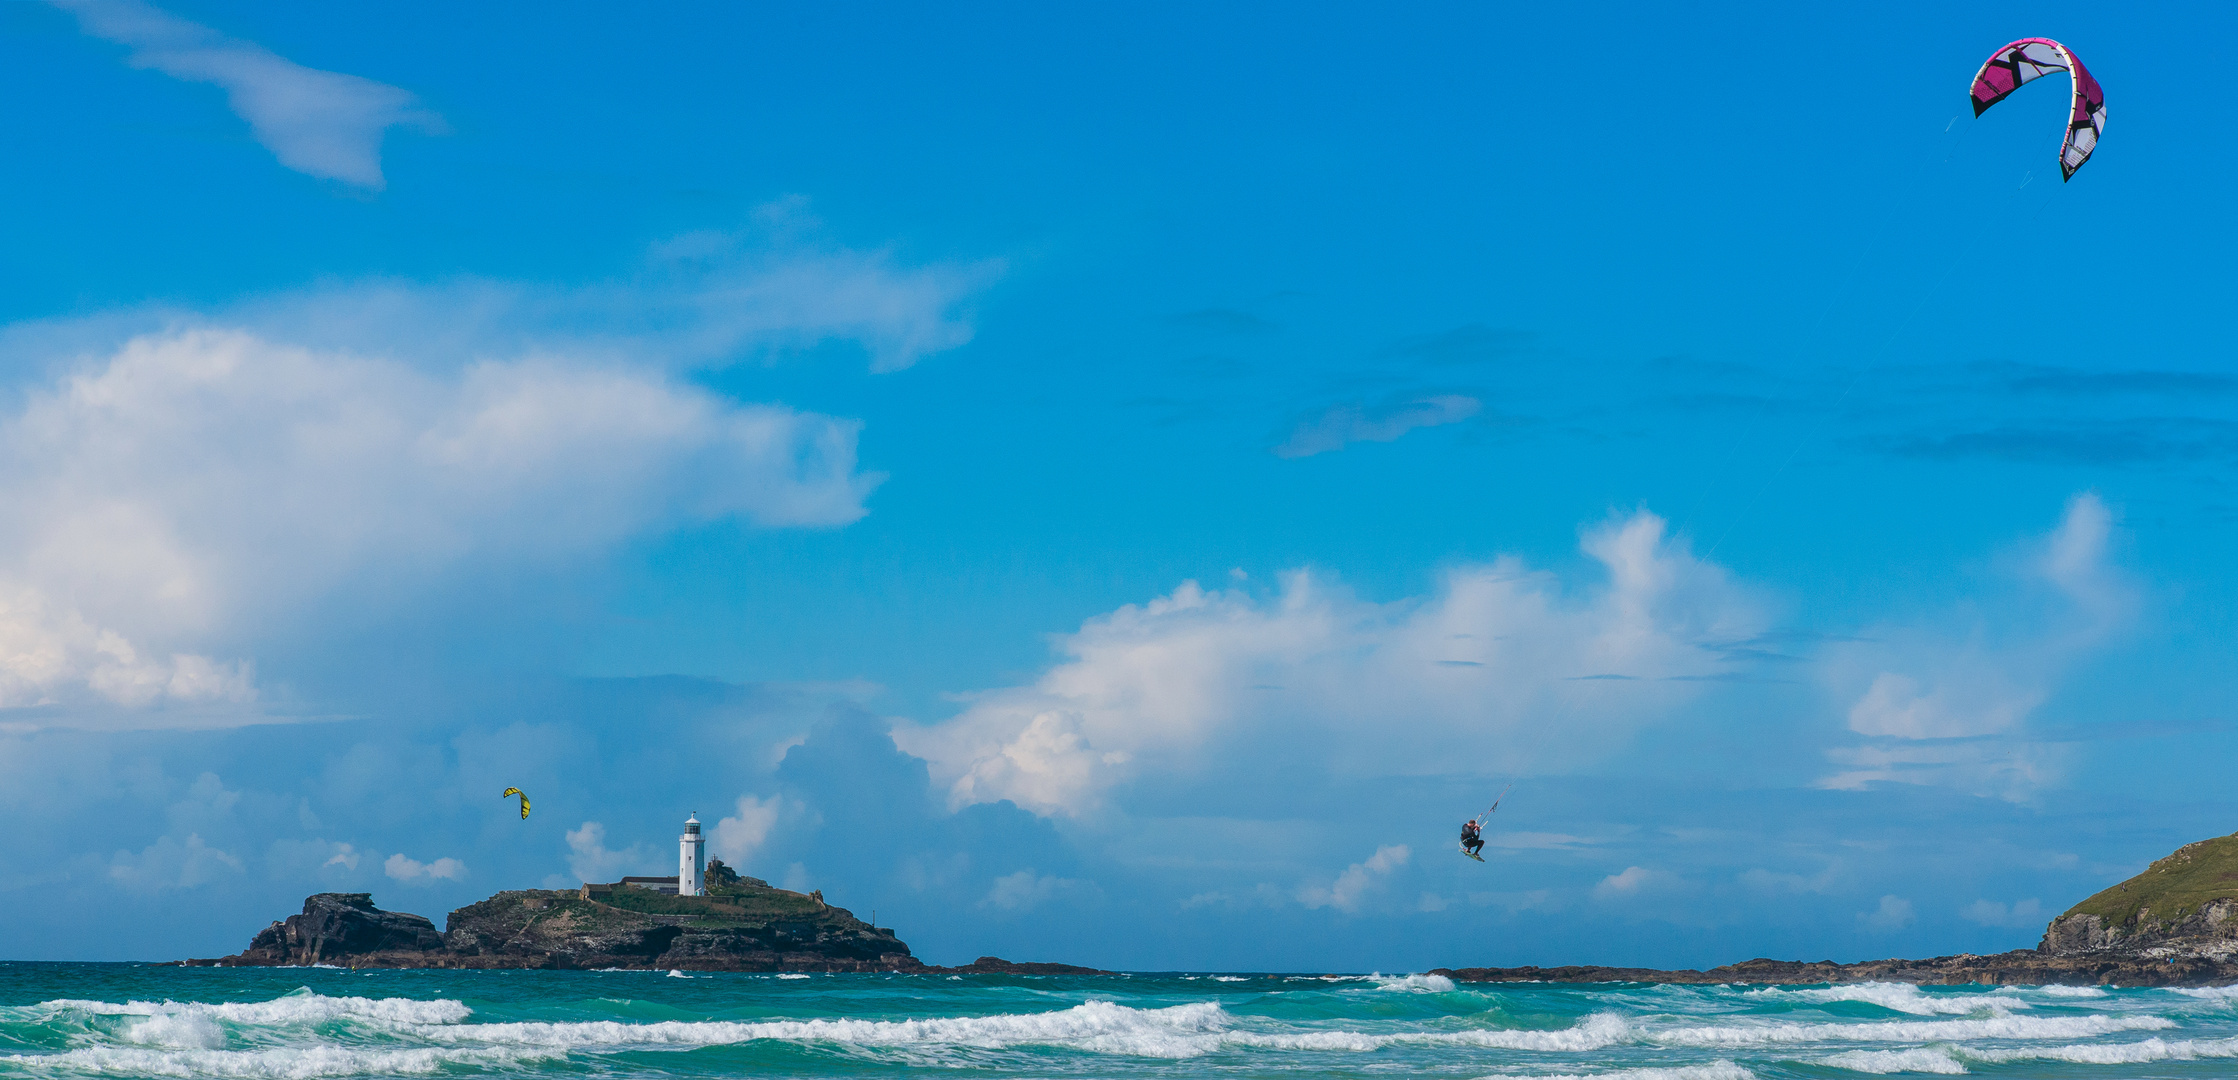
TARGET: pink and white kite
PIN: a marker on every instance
(2030, 58)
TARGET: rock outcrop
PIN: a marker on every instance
(2024, 967)
(750, 928)
(745, 926)
(995, 965)
(334, 926)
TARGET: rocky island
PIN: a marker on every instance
(2176, 924)
(740, 925)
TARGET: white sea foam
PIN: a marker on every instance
(1181, 1031)
(1592, 1033)
(1714, 1070)
(2131, 1053)
(1898, 997)
(792, 975)
(1996, 1027)
(300, 1009)
(1919, 1059)
(1229, 978)
(2212, 993)
(1435, 984)
(1953, 1059)
(2056, 990)
(279, 1063)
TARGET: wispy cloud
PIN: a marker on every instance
(321, 123)
(1948, 704)
(1347, 424)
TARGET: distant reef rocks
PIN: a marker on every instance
(2176, 924)
(746, 926)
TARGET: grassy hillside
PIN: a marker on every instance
(2172, 888)
(737, 903)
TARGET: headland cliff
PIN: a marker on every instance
(2176, 924)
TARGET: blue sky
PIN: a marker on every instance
(1114, 487)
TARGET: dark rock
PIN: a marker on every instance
(2019, 967)
(995, 965)
(336, 928)
(752, 928)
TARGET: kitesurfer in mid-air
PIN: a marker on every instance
(1472, 838)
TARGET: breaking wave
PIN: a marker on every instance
(1899, 997)
(1998, 1027)
(550, 1024)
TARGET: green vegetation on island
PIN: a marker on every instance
(746, 902)
(2172, 889)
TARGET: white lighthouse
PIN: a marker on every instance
(691, 860)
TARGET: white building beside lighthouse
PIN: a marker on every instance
(691, 860)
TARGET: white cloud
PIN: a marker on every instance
(1774, 881)
(412, 871)
(1025, 890)
(738, 836)
(1352, 886)
(172, 863)
(196, 480)
(2021, 914)
(1633, 881)
(345, 856)
(755, 295)
(1484, 666)
(321, 123)
(1946, 698)
(1346, 424)
(1894, 913)
(182, 481)
(590, 861)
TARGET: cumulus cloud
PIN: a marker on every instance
(1026, 890)
(738, 836)
(414, 872)
(2021, 914)
(172, 863)
(1347, 424)
(165, 491)
(1453, 677)
(1894, 913)
(1632, 881)
(590, 861)
(321, 123)
(1352, 887)
(1946, 700)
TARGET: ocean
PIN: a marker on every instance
(78, 1020)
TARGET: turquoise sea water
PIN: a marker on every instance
(130, 1020)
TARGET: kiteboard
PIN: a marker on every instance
(1471, 854)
